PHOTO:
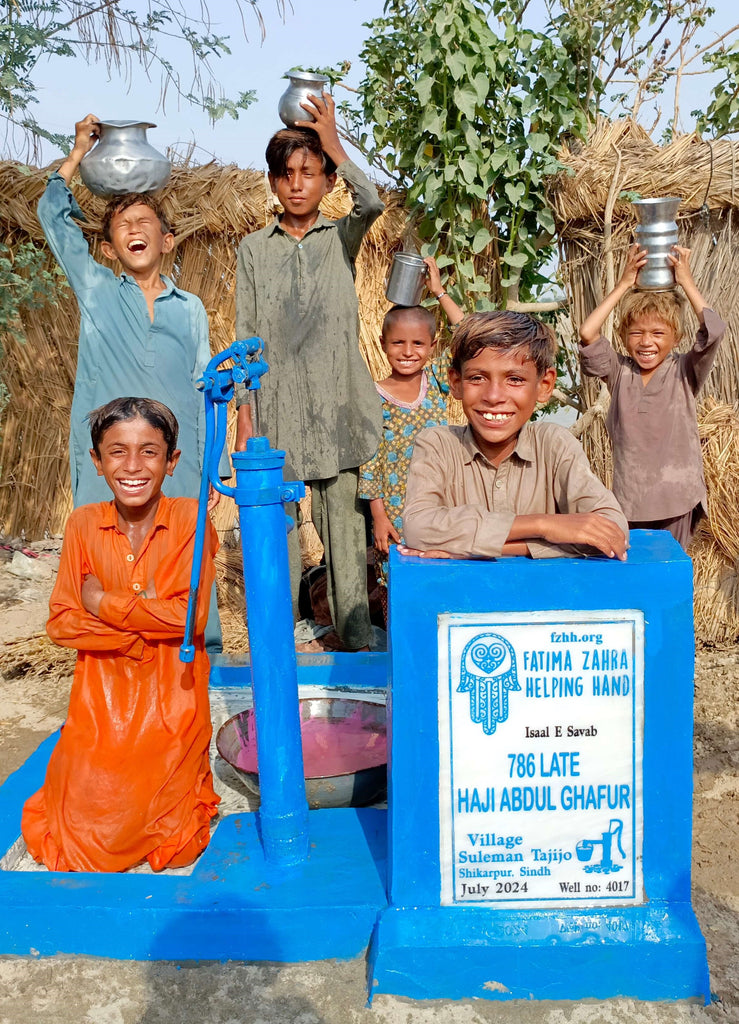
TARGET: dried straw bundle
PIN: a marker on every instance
(719, 432)
(311, 548)
(230, 578)
(716, 592)
(715, 551)
(35, 655)
(233, 629)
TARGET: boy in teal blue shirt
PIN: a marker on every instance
(139, 334)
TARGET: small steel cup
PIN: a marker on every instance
(406, 281)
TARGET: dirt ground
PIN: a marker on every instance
(83, 990)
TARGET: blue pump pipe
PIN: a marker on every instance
(260, 495)
(217, 388)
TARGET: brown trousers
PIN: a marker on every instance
(681, 527)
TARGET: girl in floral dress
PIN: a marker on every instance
(414, 397)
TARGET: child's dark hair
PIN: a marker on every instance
(504, 330)
(156, 415)
(426, 317)
(120, 203)
(668, 306)
(284, 143)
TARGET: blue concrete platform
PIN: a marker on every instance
(234, 905)
(429, 943)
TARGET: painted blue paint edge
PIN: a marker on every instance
(18, 787)
(233, 906)
(365, 670)
(448, 953)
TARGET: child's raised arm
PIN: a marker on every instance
(679, 260)
(592, 326)
(452, 311)
(323, 110)
(86, 134)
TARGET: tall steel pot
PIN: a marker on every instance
(301, 83)
(124, 161)
(657, 233)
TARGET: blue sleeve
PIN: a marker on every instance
(440, 370)
(201, 334)
(57, 209)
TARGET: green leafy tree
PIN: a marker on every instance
(468, 120)
(465, 104)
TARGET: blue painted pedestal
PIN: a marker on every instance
(655, 950)
(235, 905)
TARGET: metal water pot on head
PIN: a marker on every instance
(407, 279)
(124, 161)
(657, 233)
(301, 83)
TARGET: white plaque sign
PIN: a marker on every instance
(540, 758)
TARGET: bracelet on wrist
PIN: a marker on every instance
(440, 296)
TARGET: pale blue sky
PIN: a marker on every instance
(312, 34)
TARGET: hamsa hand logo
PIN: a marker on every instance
(488, 672)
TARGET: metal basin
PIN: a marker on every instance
(344, 750)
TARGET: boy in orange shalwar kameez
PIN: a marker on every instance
(129, 779)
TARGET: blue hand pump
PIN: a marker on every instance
(260, 495)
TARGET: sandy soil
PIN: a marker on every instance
(80, 990)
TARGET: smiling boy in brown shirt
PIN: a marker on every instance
(502, 485)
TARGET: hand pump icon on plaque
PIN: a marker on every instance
(605, 865)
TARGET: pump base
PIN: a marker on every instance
(653, 952)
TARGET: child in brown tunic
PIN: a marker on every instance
(652, 422)
(502, 485)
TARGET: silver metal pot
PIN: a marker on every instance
(124, 161)
(301, 83)
(344, 750)
(657, 233)
(407, 277)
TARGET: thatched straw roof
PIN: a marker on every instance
(698, 170)
(595, 228)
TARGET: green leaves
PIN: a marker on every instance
(465, 99)
(25, 283)
(467, 108)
